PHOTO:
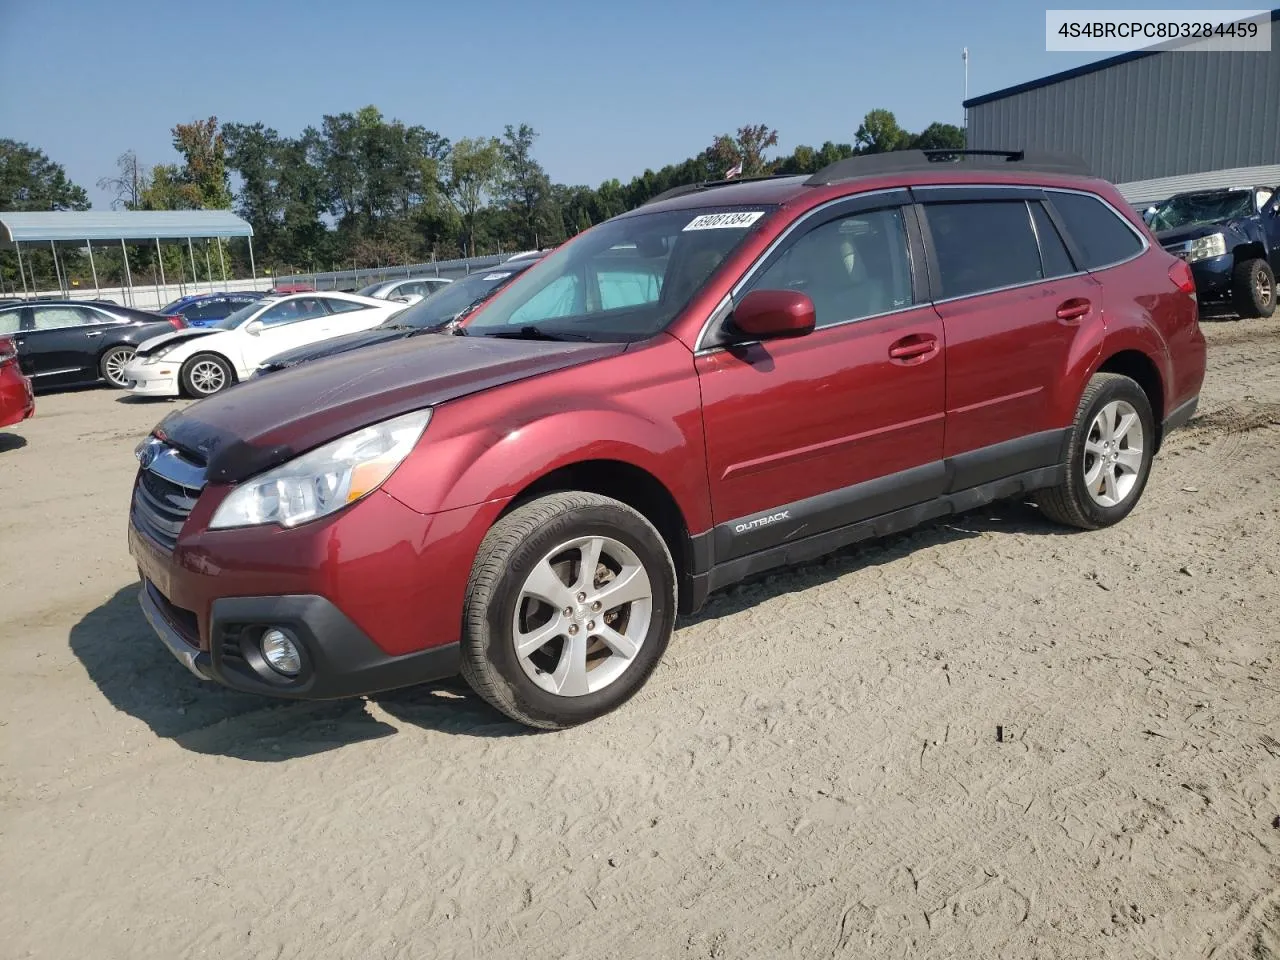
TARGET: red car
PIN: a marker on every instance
(730, 378)
(17, 401)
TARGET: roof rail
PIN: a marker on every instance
(903, 161)
(710, 184)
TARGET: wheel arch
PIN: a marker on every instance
(629, 484)
(1139, 367)
(1244, 252)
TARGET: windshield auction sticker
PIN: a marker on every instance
(721, 221)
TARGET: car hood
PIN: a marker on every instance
(150, 346)
(328, 348)
(1183, 234)
(261, 423)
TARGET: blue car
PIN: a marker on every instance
(206, 309)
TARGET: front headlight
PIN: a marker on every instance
(1202, 248)
(325, 480)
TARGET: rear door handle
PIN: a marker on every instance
(1074, 309)
(916, 347)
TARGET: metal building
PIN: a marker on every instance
(1154, 121)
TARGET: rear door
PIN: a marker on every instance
(1013, 302)
(809, 434)
(59, 344)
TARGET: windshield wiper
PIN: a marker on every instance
(530, 332)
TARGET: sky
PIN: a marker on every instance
(612, 88)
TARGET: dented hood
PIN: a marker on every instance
(261, 423)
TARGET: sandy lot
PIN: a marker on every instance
(813, 772)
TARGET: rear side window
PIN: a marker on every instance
(1053, 252)
(1102, 237)
(9, 321)
(983, 245)
(343, 306)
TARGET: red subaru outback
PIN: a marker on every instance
(730, 378)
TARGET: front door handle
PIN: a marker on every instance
(914, 348)
(94, 333)
(1074, 309)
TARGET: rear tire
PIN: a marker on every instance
(1113, 441)
(205, 374)
(1253, 289)
(554, 666)
(111, 366)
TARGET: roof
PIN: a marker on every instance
(769, 191)
(43, 226)
(1088, 68)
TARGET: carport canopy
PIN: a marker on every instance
(120, 226)
(129, 225)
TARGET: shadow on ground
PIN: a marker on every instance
(12, 441)
(138, 676)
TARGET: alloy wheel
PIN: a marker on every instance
(582, 615)
(1113, 453)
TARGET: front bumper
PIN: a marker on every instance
(338, 659)
(152, 379)
(1213, 277)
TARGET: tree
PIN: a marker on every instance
(29, 180)
(204, 151)
(747, 148)
(525, 187)
(880, 133)
(129, 186)
(166, 189)
(939, 136)
(475, 168)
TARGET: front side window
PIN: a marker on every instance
(983, 245)
(853, 267)
(623, 280)
(291, 311)
(54, 318)
(1102, 237)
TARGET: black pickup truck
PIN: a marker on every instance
(1231, 238)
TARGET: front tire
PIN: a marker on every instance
(1253, 289)
(1113, 441)
(205, 374)
(112, 365)
(570, 606)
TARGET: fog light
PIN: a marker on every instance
(281, 652)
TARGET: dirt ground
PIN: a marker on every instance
(813, 772)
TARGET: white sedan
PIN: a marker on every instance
(200, 361)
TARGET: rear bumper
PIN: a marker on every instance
(338, 659)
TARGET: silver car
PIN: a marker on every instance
(411, 289)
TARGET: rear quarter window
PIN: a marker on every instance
(1100, 234)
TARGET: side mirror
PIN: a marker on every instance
(253, 328)
(770, 314)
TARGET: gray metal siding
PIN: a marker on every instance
(1159, 116)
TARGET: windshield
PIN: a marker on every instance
(370, 289)
(240, 316)
(623, 280)
(170, 307)
(1195, 209)
(453, 298)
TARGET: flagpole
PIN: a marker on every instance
(965, 56)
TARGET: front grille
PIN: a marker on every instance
(161, 507)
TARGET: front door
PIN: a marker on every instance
(291, 323)
(809, 434)
(59, 345)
